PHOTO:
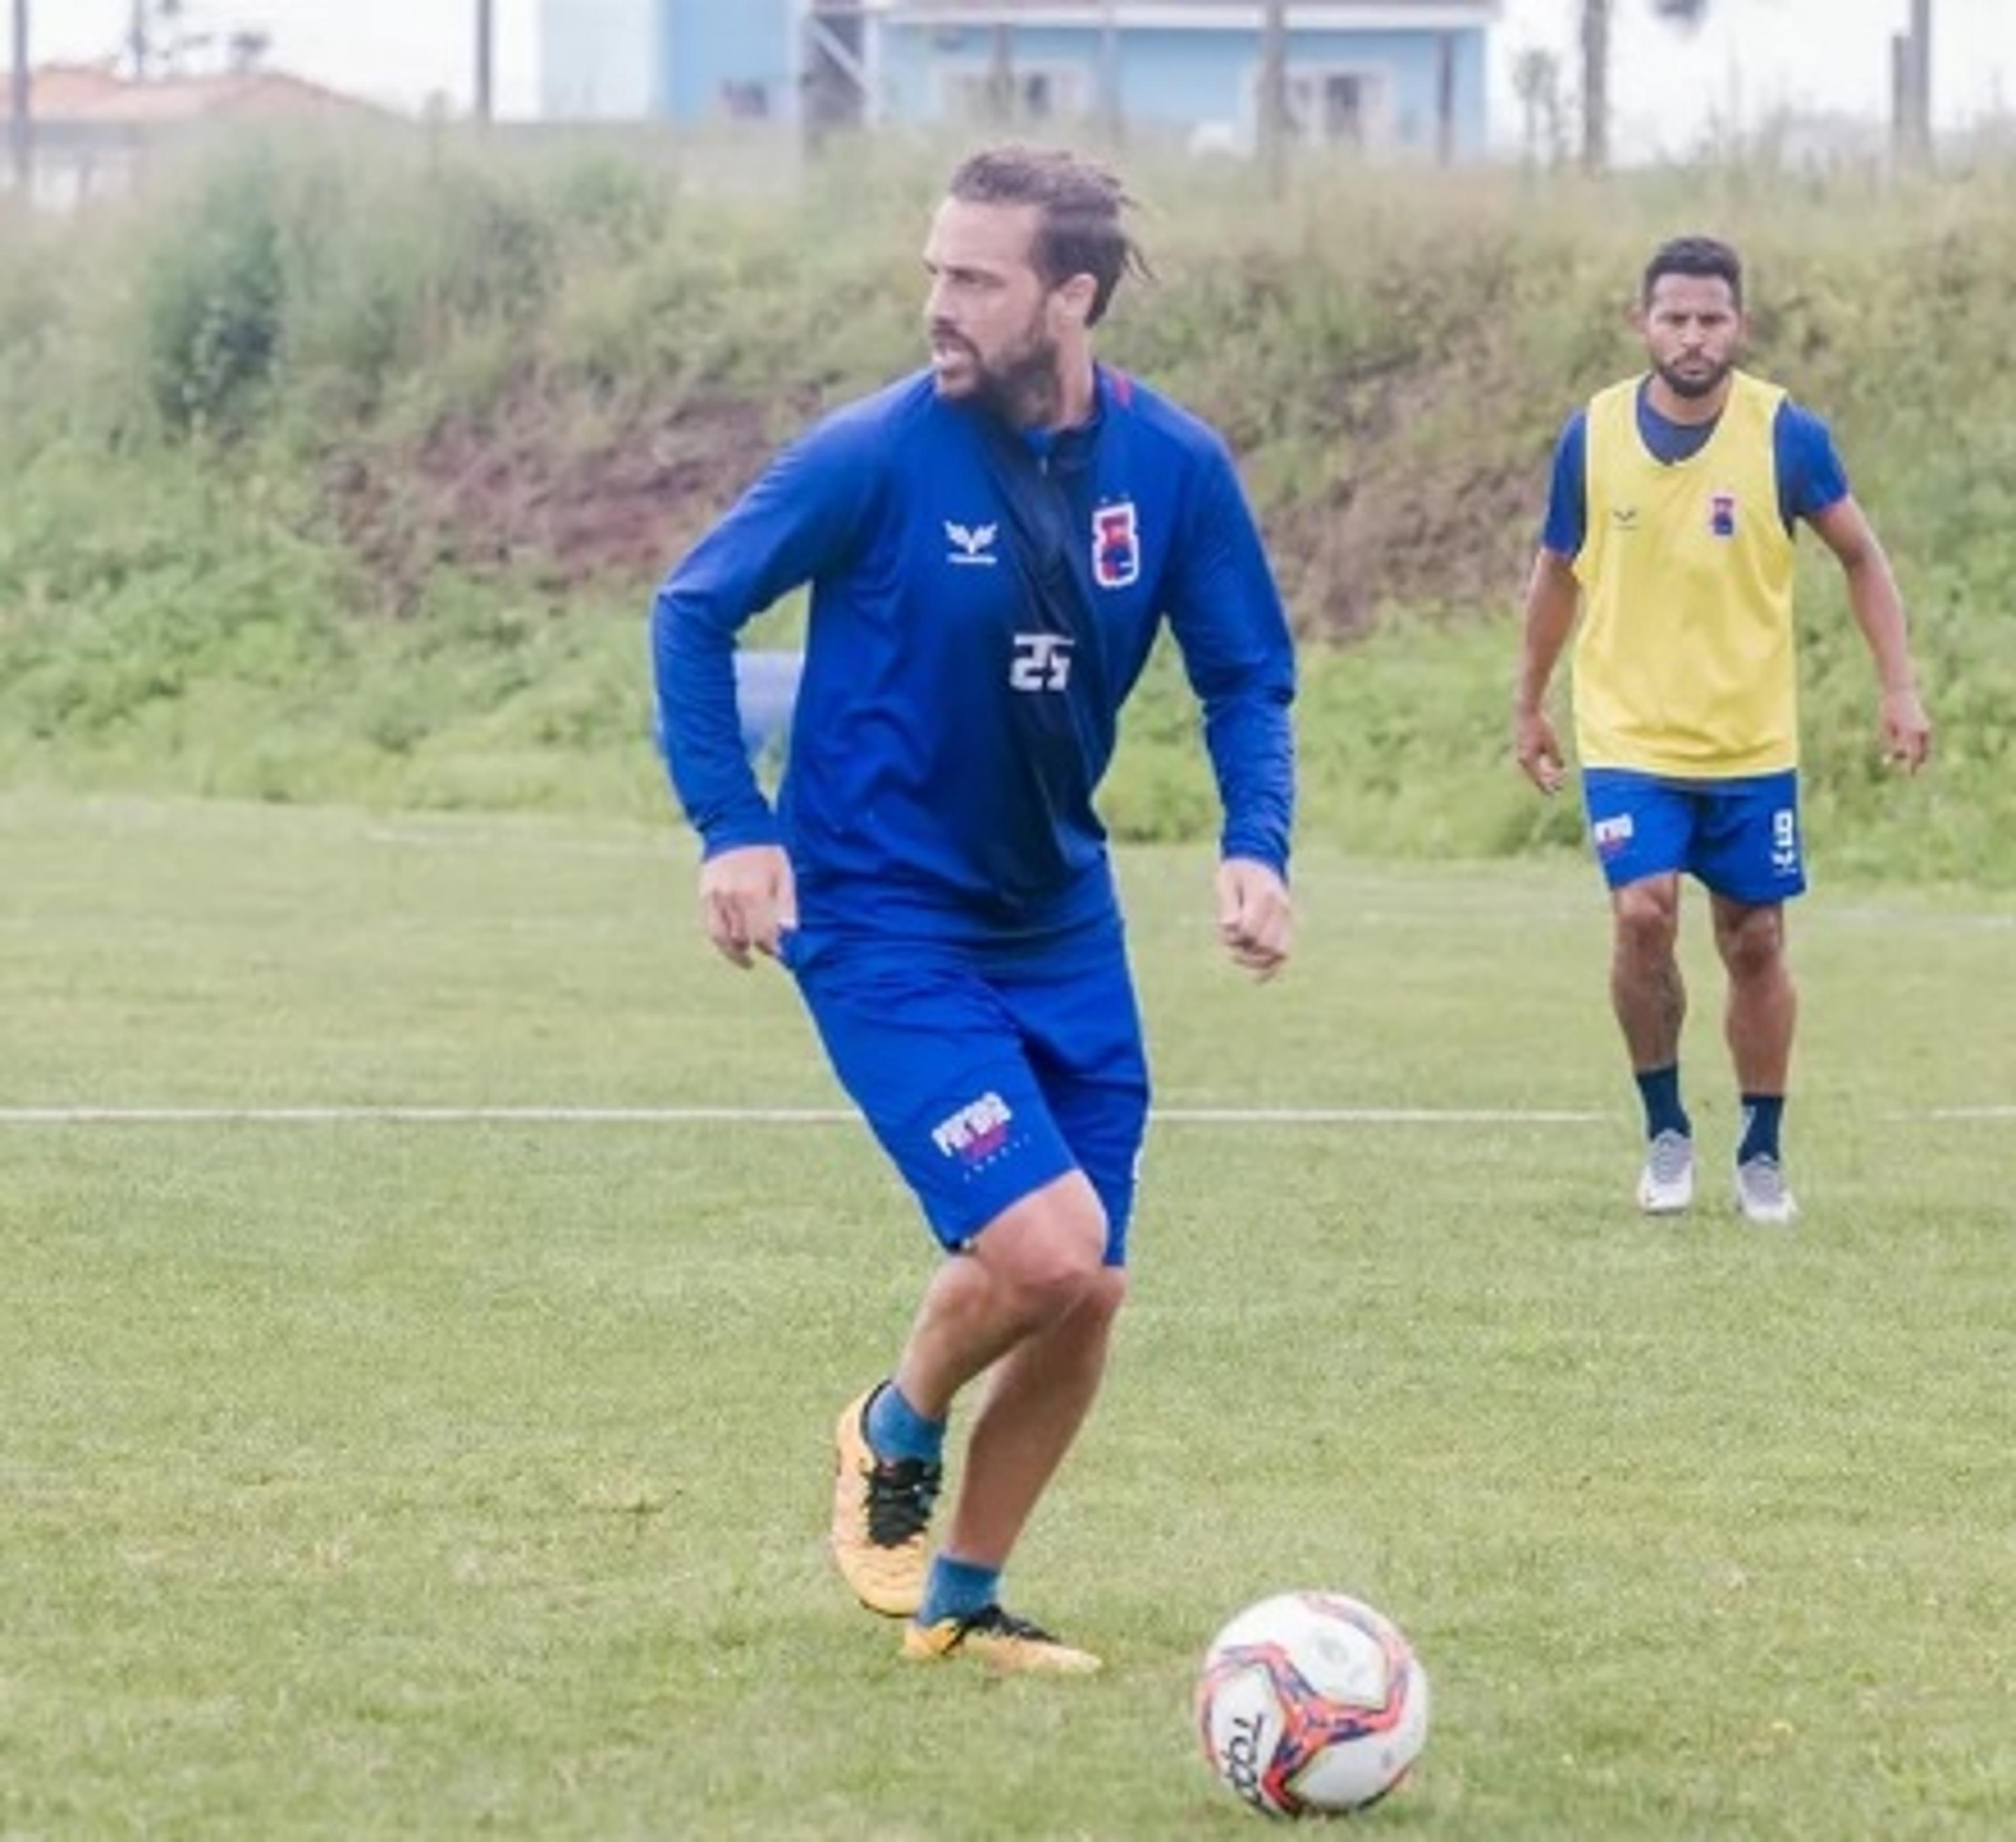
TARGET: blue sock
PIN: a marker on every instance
(896, 1430)
(1660, 1089)
(1762, 1115)
(957, 1589)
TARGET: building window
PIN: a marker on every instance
(1330, 106)
(1035, 94)
(1335, 107)
(742, 100)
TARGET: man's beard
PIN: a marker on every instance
(1693, 389)
(1022, 387)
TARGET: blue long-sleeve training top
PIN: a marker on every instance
(982, 602)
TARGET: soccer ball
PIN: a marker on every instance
(1311, 1703)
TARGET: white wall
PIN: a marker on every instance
(599, 60)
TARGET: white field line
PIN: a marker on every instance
(827, 1116)
(752, 1116)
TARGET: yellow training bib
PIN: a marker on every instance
(1684, 665)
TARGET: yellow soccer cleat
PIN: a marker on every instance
(881, 1517)
(1006, 1644)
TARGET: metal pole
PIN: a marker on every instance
(1273, 124)
(1595, 85)
(1445, 97)
(1921, 75)
(1109, 71)
(486, 24)
(1903, 139)
(21, 120)
(1001, 98)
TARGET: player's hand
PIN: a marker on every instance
(748, 901)
(1907, 731)
(1537, 750)
(1255, 918)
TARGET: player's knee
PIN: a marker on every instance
(1067, 1275)
(1105, 1293)
(1647, 920)
(1753, 944)
(1051, 1247)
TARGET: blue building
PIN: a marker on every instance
(1393, 77)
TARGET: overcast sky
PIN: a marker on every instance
(1754, 56)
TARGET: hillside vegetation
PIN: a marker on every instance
(344, 471)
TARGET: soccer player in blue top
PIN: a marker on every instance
(992, 546)
(1675, 497)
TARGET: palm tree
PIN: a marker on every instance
(1596, 68)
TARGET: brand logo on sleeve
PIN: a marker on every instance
(972, 544)
(1116, 545)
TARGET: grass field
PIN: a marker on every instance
(377, 1477)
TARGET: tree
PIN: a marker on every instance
(160, 41)
(1536, 81)
(1596, 17)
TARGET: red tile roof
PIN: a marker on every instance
(93, 93)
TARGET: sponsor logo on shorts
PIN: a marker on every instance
(1612, 835)
(976, 1131)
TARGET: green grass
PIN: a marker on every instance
(373, 1479)
(343, 473)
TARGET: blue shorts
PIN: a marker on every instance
(988, 1072)
(1739, 838)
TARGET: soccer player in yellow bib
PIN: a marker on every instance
(1669, 530)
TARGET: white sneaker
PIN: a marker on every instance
(1666, 1185)
(1762, 1194)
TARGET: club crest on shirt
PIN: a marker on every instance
(1722, 514)
(1116, 545)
